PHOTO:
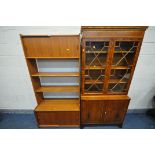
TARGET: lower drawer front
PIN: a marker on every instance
(65, 118)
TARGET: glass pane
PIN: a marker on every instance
(94, 80)
(93, 88)
(119, 87)
(121, 65)
(95, 62)
(124, 53)
(118, 80)
(96, 53)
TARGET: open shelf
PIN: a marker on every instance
(58, 89)
(59, 105)
(54, 74)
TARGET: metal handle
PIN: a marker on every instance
(105, 112)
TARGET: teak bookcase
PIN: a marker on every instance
(109, 56)
(57, 50)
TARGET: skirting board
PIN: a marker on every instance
(16, 111)
(25, 111)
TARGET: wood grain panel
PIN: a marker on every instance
(105, 97)
(115, 111)
(58, 118)
(55, 74)
(58, 89)
(103, 111)
(54, 46)
(91, 112)
(59, 105)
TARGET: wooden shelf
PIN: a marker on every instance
(117, 81)
(54, 74)
(59, 105)
(93, 81)
(94, 92)
(91, 52)
(94, 67)
(105, 52)
(121, 67)
(58, 89)
(100, 67)
(124, 52)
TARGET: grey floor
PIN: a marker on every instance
(27, 121)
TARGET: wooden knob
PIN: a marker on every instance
(67, 49)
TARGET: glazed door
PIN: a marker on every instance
(125, 54)
(94, 58)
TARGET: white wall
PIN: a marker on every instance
(142, 88)
(15, 86)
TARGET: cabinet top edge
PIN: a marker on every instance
(46, 35)
(105, 97)
(120, 28)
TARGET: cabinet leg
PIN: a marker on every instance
(81, 126)
(121, 125)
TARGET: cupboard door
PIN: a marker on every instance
(54, 46)
(123, 62)
(92, 112)
(94, 65)
(115, 111)
(103, 111)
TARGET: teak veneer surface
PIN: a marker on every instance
(56, 47)
(63, 74)
(104, 97)
(59, 105)
(58, 89)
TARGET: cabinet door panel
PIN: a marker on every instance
(103, 111)
(123, 61)
(92, 112)
(115, 111)
(95, 62)
(54, 46)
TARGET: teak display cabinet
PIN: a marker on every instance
(55, 51)
(109, 56)
(90, 86)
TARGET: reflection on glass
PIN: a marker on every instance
(118, 80)
(124, 53)
(96, 53)
(121, 65)
(94, 80)
(95, 61)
